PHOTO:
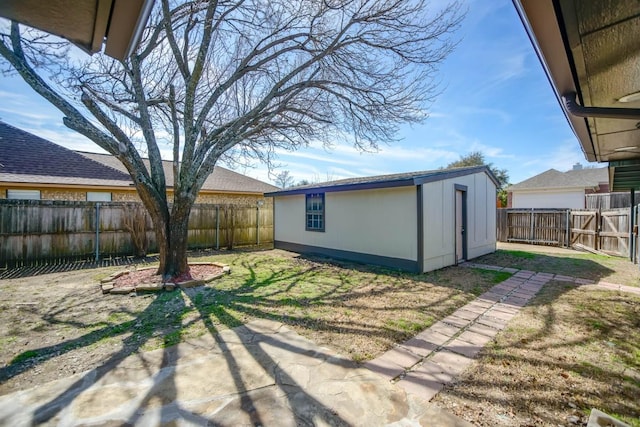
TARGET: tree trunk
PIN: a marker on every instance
(176, 256)
(172, 238)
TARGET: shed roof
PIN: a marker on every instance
(385, 181)
(552, 178)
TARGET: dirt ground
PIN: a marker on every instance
(572, 349)
(58, 324)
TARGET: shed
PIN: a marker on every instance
(416, 221)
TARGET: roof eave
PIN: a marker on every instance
(539, 18)
(404, 182)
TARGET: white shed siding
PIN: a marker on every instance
(439, 219)
(481, 219)
(563, 199)
(380, 222)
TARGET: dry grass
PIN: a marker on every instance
(570, 263)
(57, 324)
(571, 350)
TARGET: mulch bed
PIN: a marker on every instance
(126, 282)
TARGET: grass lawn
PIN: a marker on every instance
(570, 263)
(58, 324)
(572, 349)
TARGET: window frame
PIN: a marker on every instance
(320, 212)
(32, 192)
(98, 192)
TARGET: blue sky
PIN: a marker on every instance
(495, 99)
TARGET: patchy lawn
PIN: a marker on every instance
(58, 324)
(569, 263)
(570, 350)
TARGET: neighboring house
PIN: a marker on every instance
(555, 189)
(34, 168)
(418, 221)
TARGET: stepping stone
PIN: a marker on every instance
(477, 304)
(426, 380)
(474, 338)
(434, 337)
(477, 310)
(418, 346)
(466, 315)
(506, 308)
(401, 357)
(465, 348)
(384, 367)
(451, 362)
(498, 324)
(444, 329)
(491, 297)
(456, 321)
(515, 303)
(500, 315)
(479, 328)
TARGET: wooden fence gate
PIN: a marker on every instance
(600, 230)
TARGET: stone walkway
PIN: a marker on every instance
(259, 374)
(432, 359)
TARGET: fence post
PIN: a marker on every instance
(532, 221)
(258, 204)
(97, 232)
(631, 224)
(567, 243)
(217, 227)
(634, 237)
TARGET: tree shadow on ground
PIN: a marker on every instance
(255, 295)
(584, 266)
(572, 349)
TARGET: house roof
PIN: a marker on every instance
(25, 154)
(385, 181)
(27, 158)
(221, 179)
(552, 178)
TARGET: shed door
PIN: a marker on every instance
(461, 241)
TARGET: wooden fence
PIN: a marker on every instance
(600, 230)
(37, 231)
(608, 200)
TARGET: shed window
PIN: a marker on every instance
(23, 194)
(315, 212)
(98, 196)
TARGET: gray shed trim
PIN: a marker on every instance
(363, 258)
(385, 181)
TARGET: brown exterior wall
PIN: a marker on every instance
(79, 195)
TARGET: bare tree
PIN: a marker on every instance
(284, 179)
(237, 79)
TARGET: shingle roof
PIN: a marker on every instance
(583, 178)
(221, 179)
(27, 158)
(22, 153)
(386, 181)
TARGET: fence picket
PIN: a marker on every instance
(37, 231)
(604, 230)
